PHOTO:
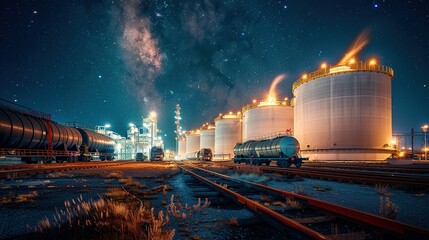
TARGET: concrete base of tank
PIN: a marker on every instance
(341, 155)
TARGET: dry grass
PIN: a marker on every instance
(278, 203)
(177, 210)
(129, 182)
(299, 189)
(387, 208)
(115, 194)
(115, 174)
(265, 199)
(58, 175)
(382, 189)
(232, 222)
(20, 198)
(336, 235)
(293, 204)
(105, 219)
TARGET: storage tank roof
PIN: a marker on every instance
(255, 104)
(229, 115)
(207, 126)
(369, 66)
(195, 132)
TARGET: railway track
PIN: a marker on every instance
(384, 168)
(355, 174)
(33, 169)
(304, 217)
(371, 177)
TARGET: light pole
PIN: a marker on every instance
(153, 119)
(425, 130)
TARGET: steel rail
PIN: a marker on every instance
(415, 170)
(33, 171)
(269, 215)
(387, 226)
(353, 176)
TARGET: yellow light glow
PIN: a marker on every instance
(230, 113)
(323, 66)
(304, 76)
(393, 141)
(254, 100)
(401, 154)
(372, 62)
(352, 61)
(153, 114)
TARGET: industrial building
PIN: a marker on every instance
(344, 112)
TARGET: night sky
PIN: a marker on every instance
(101, 62)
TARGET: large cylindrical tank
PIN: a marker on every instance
(192, 141)
(345, 112)
(207, 137)
(23, 131)
(182, 148)
(97, 142)
(267, 119)
(227, 135)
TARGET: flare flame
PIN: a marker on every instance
(359, 43)
(272, 96)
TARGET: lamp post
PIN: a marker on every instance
(425, 130)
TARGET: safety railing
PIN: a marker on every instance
(330, 70)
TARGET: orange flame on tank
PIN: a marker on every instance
(272, 96)
(359, 43)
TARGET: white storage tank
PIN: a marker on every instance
(207, 136)
(182, 148)
(227, 135)
(192, 141)
(344, 112)
(266, 119)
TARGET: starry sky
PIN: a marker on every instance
(100, 61)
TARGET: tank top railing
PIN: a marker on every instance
(336, 69)
(270, 136)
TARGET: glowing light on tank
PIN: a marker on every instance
(359, 43)
(304, 76)
(352, 61)
(372, 61)
(323, 65)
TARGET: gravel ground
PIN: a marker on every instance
(413, 207)
(212, 222)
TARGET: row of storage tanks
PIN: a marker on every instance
(341, 112)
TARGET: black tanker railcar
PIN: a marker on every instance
(36, 139)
